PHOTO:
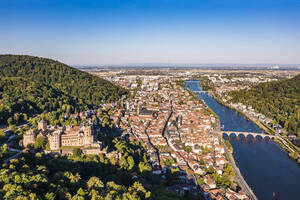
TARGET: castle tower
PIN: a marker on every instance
(28, 138)
(54, 141)
(88, 131)
(42, 125)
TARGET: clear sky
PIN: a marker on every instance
(153, 31)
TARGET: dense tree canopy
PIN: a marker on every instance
(35, 175)
(31, 85)
(279, 100)
(20, 95)
(39, 176)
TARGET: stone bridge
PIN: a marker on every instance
(199, 91)
(192, 81)
(245, 134)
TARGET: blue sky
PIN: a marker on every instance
(153, 31)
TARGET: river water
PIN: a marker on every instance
(267, 169)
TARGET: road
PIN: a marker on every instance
(9, 139)
(11, 149)
(14, 156)
(6, 130)
(284, 142)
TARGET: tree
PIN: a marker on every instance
(3, 150)
(50, 196)
(200, 181)
(175, 170)
(169, 161)
(39, 143)
(123, 163)
(2, 136)
(10, 121)
(138, 189)
(222, 180)
(95, 183)
(228, 170)
(144, 167)
(210, 170)
(188, 149)
(80, 195)
(201, 162)
(76, 151)
(130, 162)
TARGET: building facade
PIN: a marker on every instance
(83, 137)
(77, 136)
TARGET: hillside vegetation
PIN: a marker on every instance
(32, 85)
(279, 100)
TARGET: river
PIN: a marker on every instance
(264, 165)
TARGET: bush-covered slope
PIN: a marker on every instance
(279, 100)
(33, 85)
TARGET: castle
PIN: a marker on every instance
(83, 136)
(72, 136)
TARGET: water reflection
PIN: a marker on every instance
(265, 166)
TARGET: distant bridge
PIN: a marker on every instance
(193, 81)
(237, 133)
(199, 92)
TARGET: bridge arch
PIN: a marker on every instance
(247, 135)
(250, 136)
(242, 136)
(259, 137)
(225, 135)
(268, 137)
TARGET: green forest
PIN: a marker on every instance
(279, 100)
(35, 175)
(32, 85)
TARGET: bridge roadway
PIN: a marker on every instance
(199, 91)
(237, 133)
(193, 81)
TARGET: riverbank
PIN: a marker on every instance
(238, 176)
(292, 150)
(265, 166)
(238, 180)
(267, 130)
(262, 126)
(288, 146)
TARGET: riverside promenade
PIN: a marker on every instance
(238, 176)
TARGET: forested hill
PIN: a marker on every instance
(31, 85)
(91, 89)
(279, 100)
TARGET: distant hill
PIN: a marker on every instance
(279, 100)
(31, 84)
